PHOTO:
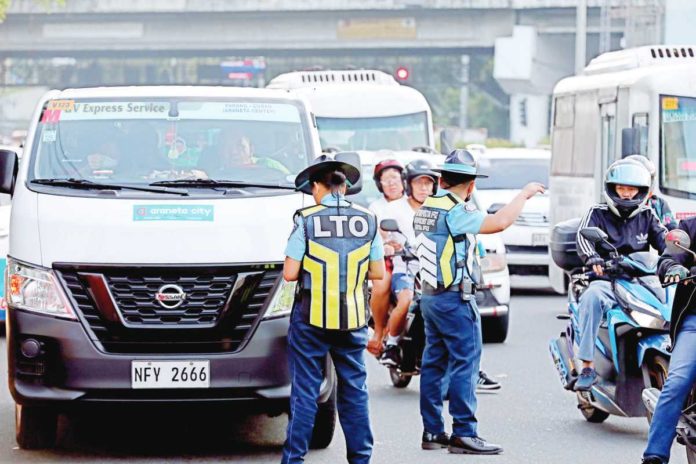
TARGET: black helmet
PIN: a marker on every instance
(418, 168)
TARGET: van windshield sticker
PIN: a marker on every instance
(48, 136)
(239, 111)
(173, 212)
(114, 110)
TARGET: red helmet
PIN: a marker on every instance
(385, 164)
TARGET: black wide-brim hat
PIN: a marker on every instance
(323, 163)
(460, 162)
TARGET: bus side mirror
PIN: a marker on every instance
(9, 164)
(445, 142)
(630, 142)
(353, 158)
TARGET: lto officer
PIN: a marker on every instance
(332, 251)
(446, 227)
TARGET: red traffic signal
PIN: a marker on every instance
(402, 73)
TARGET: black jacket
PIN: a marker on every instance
(685, 293)
(637, 233)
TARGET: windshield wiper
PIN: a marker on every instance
(89, 185)
(200, 182)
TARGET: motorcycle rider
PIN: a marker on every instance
(446, 227)
(631, 226)
(682, 364)
(659, 205)
(389, 179)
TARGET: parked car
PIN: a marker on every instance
(494, 297)
(526, 241)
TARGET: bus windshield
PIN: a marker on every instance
(138, 142)
(402, 132)
(678, 136)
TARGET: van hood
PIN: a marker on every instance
(155, 231)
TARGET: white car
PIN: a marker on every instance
(494, 298)
(526, 241)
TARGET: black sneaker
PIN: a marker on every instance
(391, 356)
(588, 377)
(652, 460)
(433, 441)
(472, 445)
(486, 384)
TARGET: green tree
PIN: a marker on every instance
(5, 4)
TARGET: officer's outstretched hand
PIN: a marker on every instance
(532, 189)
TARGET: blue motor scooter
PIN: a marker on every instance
(632, 346)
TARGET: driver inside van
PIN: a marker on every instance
(631, 226)
(234, 151)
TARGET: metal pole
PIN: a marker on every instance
(580, 36)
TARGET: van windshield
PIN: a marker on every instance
(144, 141)
(678, 137)
(402, 132)
(512, 173)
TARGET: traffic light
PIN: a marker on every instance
(402, 73)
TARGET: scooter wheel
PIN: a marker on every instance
(590, 413)
(399, 380)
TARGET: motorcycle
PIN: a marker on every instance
(678, 242)
(632, 346)
(412, 342)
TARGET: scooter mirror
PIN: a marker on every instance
(678, 242)
(594, 234)
(389, 225)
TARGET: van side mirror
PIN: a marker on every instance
(353, 158)
(389, 225)
(594, 234)
(494, 208)
(9, 164)
(630, 141)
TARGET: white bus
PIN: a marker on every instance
(364, 110)
(636, 101)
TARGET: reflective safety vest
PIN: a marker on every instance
(436, 246)
(335, 265)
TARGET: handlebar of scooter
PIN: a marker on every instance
(689, 278)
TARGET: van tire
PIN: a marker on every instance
(325, 422)
(495, 329)
(35, 427)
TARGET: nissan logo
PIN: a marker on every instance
(170, 296)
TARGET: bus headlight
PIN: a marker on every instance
(282, 301)
(493, 262)
(35, 289)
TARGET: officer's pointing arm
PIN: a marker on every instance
(504, 218)
(291, 269)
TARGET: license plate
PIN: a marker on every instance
(170, 374)
(540, 239)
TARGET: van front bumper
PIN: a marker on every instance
(72, 369)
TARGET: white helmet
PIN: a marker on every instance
(649, 165)
(626, 172)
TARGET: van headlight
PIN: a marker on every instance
(493, 262)
(35, 289)
(282, 301)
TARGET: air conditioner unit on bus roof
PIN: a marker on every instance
(301, 79)
(632, 58)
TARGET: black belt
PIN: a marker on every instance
(430, 290)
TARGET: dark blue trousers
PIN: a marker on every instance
(307, 350)
(452, 337)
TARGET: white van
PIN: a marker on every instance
(147, 236)
(365, 109)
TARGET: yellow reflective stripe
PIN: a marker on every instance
(331, 288)
(359, 296)
(445, 262)
(354, 287)
(314, 209)
(316, 274)
(445, 203)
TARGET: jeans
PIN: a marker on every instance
(680, 379)
(307, 350)
(452, 338)
(594, 304)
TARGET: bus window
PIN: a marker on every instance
(678, 154)
(640, 121)
(562, 149)
(586, 129)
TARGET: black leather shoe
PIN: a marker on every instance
(652, 460)
(433, 441)
(472, 445)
